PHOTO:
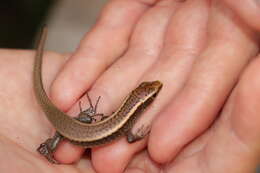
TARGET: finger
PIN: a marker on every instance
(235, 136)
(119, 152)
(214, 74)
(248, 10)
(142, 163)
(104, 43)
(179, 36)
(118, 17)
(132, 66)
(245, 116)
(185, 38)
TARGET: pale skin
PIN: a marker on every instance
(198, 72)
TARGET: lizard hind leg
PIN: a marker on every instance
(48, 147)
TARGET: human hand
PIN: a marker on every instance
(171, 49)
(231, 144)
(23, 125)
(197, 57)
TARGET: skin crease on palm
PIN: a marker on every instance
(199, 49)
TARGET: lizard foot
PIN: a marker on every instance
(45, 150)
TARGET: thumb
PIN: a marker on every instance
(234, 142)
(245, 118)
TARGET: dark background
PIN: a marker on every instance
(20, 21)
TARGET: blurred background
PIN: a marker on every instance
(67, 21)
